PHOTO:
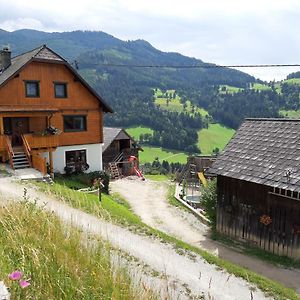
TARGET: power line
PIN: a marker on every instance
(206, 66)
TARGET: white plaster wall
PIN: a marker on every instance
(93, 156)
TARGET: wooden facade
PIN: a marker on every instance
(262, 216)
(37, 114)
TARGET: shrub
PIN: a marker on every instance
(209, 201)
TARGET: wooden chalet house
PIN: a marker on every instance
(258, 186)
(48, 114)
(118, 146)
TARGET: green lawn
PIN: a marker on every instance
(216, 136)
(136, 131)
(224, 88)
(293, 114)
(151, 153)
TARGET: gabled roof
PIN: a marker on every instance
(110, 134)
(44, 54)
(263, 151)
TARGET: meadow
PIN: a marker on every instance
(224, 88)
(136, 131)
(172, 103)
(294, 114)
(151, 153)
(215, 136)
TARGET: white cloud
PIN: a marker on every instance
(224, 32)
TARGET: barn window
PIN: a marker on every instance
(60, 90)
(32, 89)
(74, 123)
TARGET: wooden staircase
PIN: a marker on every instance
(20, 160)
(114, 171)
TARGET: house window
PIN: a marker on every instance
(74, 123)
(60, 90)
(76, 161)
(32, 89)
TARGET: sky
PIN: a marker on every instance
(230, 32)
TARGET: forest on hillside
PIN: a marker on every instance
(113, 68)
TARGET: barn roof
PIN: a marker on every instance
(110, 134)
(44, 54)
(263, 151)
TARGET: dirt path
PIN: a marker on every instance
(149, 200)
(182, 272)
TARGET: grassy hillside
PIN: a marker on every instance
(292, 81)
(294, 114)
(135, 132)
(224, 88)
(65, 265)
(260, 87)
(171, 101)
(216, 136)
(151, 153)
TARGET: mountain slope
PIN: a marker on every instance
(129, 89)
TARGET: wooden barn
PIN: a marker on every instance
(117, 148)
(258, 186)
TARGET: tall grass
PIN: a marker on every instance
(60, 262)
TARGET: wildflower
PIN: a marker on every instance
(16, 275)
(24, 283)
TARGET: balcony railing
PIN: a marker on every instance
(41, 141)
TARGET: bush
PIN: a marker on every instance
(209, 201)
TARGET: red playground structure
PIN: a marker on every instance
(135, 168)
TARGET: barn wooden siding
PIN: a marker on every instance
(241, 205)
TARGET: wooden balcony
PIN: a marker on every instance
(41, 141)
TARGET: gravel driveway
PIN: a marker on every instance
(148, 199)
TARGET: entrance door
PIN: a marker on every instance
(18, 126)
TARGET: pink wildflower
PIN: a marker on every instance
(16, 275)
(24, 284)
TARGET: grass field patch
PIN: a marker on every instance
(260, 87)
(136, 131)
(215, 136)
(151, 153)
(293, 114)
(292, 81)
(229, 89)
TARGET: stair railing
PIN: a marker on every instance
(27, 149)
(118, 158)
(10, 151)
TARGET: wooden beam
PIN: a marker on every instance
(51, 164)
(1, 126)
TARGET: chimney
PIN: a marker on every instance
(5, 58)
